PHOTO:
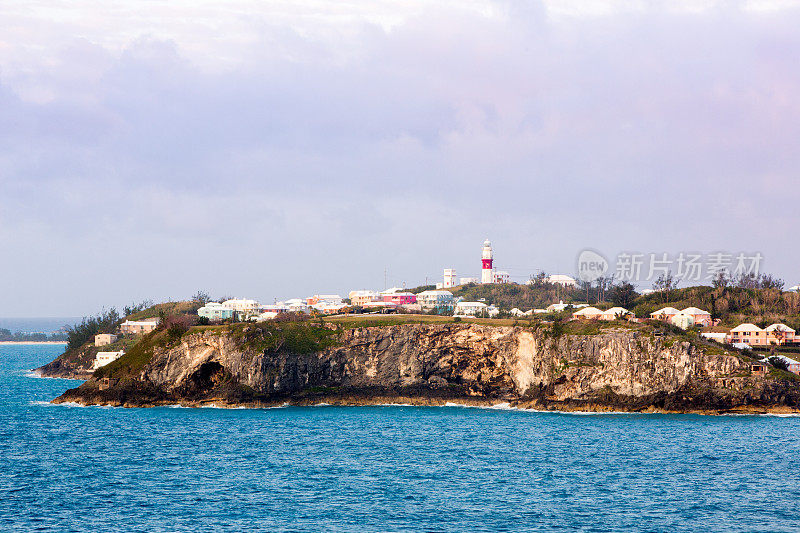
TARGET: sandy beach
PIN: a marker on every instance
(33, 342)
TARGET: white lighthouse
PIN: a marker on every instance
(486, 262)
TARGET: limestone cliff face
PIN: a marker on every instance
(620, 368)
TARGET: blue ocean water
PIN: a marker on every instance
(38, 324)
(388, 468)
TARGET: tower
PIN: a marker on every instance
(449, 278)
(486, 262)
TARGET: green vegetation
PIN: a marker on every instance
(510, 295)
(300, 337)
(17, 336)
(733, 305)
(80, 334)
(137, 355)
(166, 309)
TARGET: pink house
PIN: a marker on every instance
(701, 317)
(665, 313)
(400, 298)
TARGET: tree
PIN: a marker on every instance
(768, 281)
(665, 284)
(201, 297)
(721, 280)
(778, 362)
(623, 294)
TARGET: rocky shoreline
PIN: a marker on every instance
(617, 369)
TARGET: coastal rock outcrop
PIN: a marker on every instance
(614, 368)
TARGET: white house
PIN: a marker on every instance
(441, 301)
(796, 288)
(500, 276)
(466, 309)
(241, 304)
(563, 280)
(296, 305)
(103, 358)
(588, 313)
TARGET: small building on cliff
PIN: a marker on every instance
(103, 358)
(138, 327)
(104, 339)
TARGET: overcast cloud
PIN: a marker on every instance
(278, 149)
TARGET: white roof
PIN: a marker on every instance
(616, 311)
(694, 311)
(561, 277)
(393, 290)
(747, 327)
(779, 327)
(665, 311)
(360, 293)
(327, 296)
(588, 311)
(787, 360)
(435, 293)
(795, 288)
(325, 305)
(144, 322)
(470, 304)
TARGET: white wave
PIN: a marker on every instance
(41, 403)
(35, 374)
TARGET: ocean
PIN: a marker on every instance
(38, 325)
(390, 468)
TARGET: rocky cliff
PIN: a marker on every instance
(616, 368)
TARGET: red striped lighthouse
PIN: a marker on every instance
(486, 262)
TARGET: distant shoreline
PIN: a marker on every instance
(33, 342)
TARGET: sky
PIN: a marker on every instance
(278, 149)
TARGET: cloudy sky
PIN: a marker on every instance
(275, 149)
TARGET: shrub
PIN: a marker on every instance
(177, 325)
(778, 363)
(80, 334)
